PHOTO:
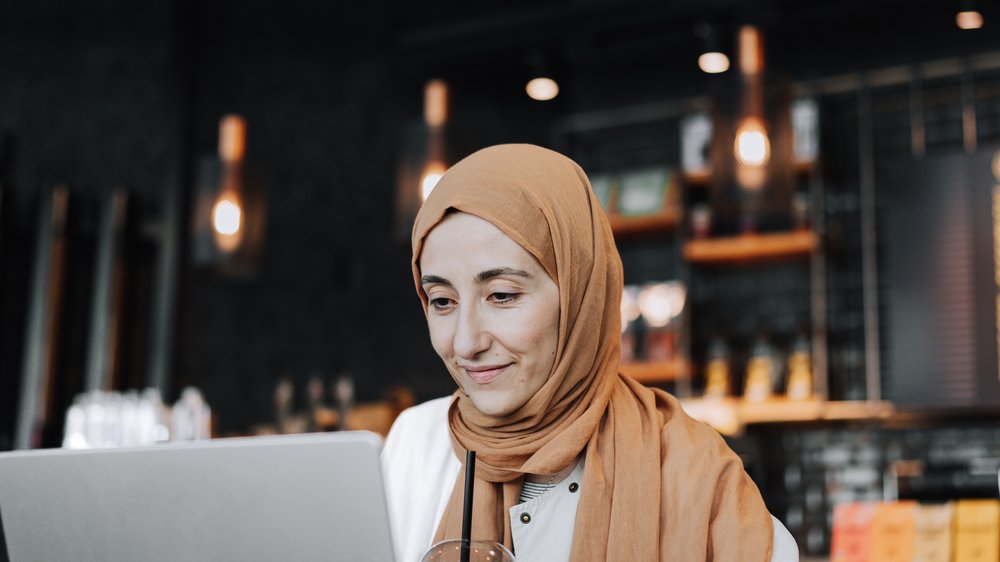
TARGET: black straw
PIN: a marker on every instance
(470, 483)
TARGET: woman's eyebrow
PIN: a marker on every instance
(497, 272)
(434, 280)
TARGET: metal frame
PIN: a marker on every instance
(161, 339)
(862, 83)
(105, 314)
(43, 317)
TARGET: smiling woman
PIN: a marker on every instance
(515, 264)
(493, 312)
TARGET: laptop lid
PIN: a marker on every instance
(295, 497)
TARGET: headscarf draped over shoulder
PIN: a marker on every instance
(656, 483)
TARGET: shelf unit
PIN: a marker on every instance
(751, 248)
(664, 221)
(581, 135)
(655, 371)
(729, 415)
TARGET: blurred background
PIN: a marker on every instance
(806, 197)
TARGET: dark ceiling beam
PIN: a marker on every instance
(465, 39)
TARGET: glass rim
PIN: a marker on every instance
(471, 542)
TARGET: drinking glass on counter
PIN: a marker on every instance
(479, 551)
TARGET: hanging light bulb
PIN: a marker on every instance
(713, 62)
(227, 219)
(970, 19)
(226, 216)
(429, 179)
(435, 115)
(752, 148)
(542, 88)
(227, 211)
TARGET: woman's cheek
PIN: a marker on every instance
(440, 340)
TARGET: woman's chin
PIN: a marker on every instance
(493, 406)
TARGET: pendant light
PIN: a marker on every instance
(712, 59)
(435, 117)
(751, 147)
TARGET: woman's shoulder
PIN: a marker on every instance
(420, 468)
(423, 415)
(424, 425)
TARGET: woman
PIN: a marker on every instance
(516, 267)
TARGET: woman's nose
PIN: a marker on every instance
(471, 338)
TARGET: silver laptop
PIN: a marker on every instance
(301, 497)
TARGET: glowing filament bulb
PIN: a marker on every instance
(969, 20)
(432, 175)
(752, 146)
(226, 216)
(542, 89)
(713, 62)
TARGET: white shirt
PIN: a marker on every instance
(542, 528)
(420, 469)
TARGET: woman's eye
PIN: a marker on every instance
(440, 303)
(503, 298)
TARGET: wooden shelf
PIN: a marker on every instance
(654, 372)
(664, 221)
(729, 415)
(749, 248)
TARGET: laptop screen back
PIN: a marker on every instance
(303, 497)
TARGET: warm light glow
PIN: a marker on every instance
(751, 50)
(629, 307)
(227, 222)
(752, 147)
(969, 20)
(227, 219)
(226, 216)
(542, 89)
(713, 63)
(428, 181)
(436, 103)
(661, 303)
(428, 184)
(232, 138)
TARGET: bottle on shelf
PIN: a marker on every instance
(761, 371)
(800, 376)
(717, 380)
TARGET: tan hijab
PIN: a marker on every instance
(657, 484)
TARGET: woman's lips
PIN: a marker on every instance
(484, 375)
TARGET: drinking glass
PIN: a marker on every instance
(479, 551)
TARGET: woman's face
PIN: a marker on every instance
(493, 312)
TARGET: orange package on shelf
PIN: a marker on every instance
(893, 532)
(852, 532)
(977, 531)
(933, 533)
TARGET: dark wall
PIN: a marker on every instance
(327, 100)
(333, 290)
(116, 95)
(130, 94)
(91, 101)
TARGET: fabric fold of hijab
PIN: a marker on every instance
(641, 450)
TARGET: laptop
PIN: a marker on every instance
(293, 497)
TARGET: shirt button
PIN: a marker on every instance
(574, 487)
(525, 518)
